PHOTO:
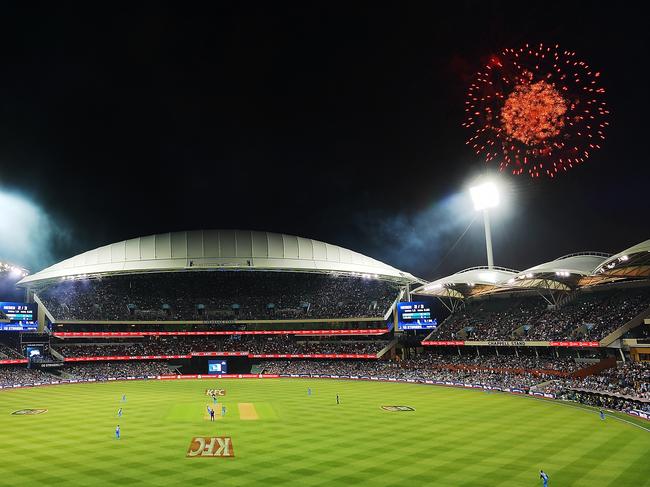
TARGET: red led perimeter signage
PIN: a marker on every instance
(124, 357)
(511, 344)
(117, 334)
(14, 361)
(216, 354)
(312, 355)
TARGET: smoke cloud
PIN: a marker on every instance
(29, 236)
(417, 242)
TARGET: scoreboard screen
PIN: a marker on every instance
(415, 316)
(217, 367)
(21, 316)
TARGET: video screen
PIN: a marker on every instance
(415, 316)
(217, 367)
(33, 352)
(22, 316)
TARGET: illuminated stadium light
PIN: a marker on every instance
(488, 277)
(13, 270)
(485, 196)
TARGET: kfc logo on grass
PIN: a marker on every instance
(216, 446)
(215, 392)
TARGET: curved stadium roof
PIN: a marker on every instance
(563, 273)
(217, 249)
(468, 282)
(632, 262)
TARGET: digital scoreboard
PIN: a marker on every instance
(415, 316)
(21, 316)
(217, 367)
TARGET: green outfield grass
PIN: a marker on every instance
(454, 437)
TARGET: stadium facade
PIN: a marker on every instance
(233, 264)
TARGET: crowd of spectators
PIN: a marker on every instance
(10, 374)
(491, 362)
(103, 370)
(630, 379)
(590, 316)
(219, 295)
(7, 352)
(257, 344)
(380, 368)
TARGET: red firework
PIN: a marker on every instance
(536, 109)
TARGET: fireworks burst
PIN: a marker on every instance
(536, 109)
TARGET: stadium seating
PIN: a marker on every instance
(591, 316)
(179, 345)
(219, 296)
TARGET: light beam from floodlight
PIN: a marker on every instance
(484, 197)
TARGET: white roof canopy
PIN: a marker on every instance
(562, 274)
(468, 282)
(217, 249)
(632, 262)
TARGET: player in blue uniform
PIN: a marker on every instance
(211, 414)
(544, 477)
(117, 432)
(223, 410)
(309, 391)
(123, 397)
(602, 415)
(119, 413)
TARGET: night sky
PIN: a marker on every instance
(336, 122)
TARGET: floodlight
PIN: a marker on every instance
(484, 196)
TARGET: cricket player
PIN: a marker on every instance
(211, 414)
(544, 477)
(123, 397)
(309, 391)
(602, 415)
(223, 410)
(337, 399)
(117, 432)
(119, 413)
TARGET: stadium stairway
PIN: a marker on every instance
(387, 348)
(619, 332)
(56, 354)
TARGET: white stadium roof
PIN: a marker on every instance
(632, 262)
(217, 249)
(468, 282)
(563, 273)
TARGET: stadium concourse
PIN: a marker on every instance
(575, 328)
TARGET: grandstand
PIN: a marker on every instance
(581, 297)
(288, 306)
(221, 276)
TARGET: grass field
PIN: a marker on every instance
(454, 437)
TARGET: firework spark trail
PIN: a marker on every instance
(537, 110)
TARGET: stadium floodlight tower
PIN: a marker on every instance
(485, 196)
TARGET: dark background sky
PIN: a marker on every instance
(339, 122)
